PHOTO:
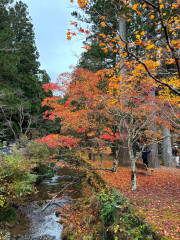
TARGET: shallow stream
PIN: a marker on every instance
(37, 224)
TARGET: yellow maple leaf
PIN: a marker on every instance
(87, 47)
(138, 36)
(105, 50)
(152, 16)
(102, 44)
(161, 6)
(143, 33)
(135, 6)
(103, 17)
(139, 13)
(103, 24)
(68, 37)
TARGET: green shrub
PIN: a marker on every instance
(15, 179)
(109, 204)
(39, 151)
(42, 156)
(22, 141)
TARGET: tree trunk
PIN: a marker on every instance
(94, 157)
(133, 169)
(122, 35)
(90, 154)
(133, 175)
(114, 168)
(153, 156)
(123, 156)
(167, 147)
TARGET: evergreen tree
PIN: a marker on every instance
(8, 56)
(28, 55)
(95, 58)
(21, 80)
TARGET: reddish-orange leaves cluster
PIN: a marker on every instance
(57, 140)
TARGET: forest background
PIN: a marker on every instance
(125, 89)
(124, 93)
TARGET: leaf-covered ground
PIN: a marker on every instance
(157, 198)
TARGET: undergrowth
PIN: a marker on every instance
(18, 174)
(102, 214)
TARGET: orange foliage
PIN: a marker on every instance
(103, 107)
(157, 198)
(156, 51)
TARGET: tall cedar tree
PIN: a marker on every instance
(20, 77)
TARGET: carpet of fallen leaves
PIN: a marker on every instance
(81, 219)
(157, 198)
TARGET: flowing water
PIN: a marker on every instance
(37, 224)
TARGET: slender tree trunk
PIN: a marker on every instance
(133, 175)
(133, 169)
(115, 161)
(94, 157)
(28, 127)
(167, 147)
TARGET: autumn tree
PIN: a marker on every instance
(75, 108)
(152, 41)
(127, 104)
(162, 16)
(89, 112)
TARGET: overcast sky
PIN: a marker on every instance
(51, 20)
